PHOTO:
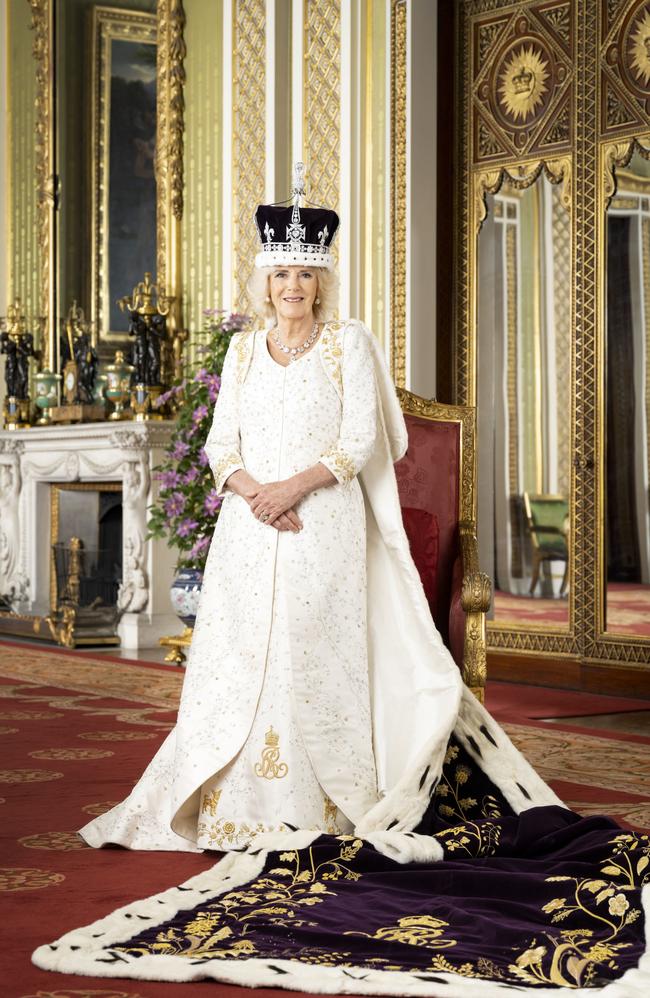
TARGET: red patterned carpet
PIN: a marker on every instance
(628, 609)
(76, 733)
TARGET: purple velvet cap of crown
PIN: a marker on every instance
(295, 236)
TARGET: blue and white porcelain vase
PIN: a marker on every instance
(186, 593)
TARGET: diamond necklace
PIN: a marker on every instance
(294, 352)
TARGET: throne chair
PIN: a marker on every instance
(436, 480)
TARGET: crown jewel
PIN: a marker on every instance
(308, 232)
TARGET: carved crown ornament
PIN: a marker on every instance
(522, 81)
(625, 67)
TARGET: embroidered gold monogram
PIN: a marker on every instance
(270, 767)
(210, 802)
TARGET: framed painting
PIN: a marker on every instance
(123, 110)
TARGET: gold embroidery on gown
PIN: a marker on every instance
(270, 768)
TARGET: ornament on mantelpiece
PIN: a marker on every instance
(17, 344)
(147, 308)
(118, 389)
(79, 372)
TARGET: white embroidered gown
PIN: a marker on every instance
(274, 727)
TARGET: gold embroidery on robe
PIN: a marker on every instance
(332, 352)
(330, 814)
(220, 832)
(343, 464)
(270, 767)
(210, 802)
(233, 457)
(242, 342)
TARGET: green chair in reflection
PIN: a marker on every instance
(547, 517)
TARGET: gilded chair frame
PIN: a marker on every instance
(476, 594)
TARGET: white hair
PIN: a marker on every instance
(328, 293)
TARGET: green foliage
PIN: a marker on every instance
(187, 508)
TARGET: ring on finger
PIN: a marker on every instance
(264, 516)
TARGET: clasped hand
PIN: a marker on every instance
(273, 502)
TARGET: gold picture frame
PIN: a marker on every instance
(122, 177)
(169, 21)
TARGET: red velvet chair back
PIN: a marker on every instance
(428, 479)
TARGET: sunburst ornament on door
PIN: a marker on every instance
(522, 83)
(640, 48)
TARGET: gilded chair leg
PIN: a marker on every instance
(535, 579)
(565, 578)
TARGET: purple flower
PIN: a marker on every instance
(180, 450)
(190, 476)
(168, 479)
(186, 527)
(204, 460)
(175, 505)
(197, 549)
(199, 413)
(212, 502)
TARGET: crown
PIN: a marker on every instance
(293, 235)
(271, 738)
(522, 81)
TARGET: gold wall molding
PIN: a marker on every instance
(249, 137)
(398, 113)
(624, 68)
(322, 101)
(521, 176)
(618, 155)
(170, 127)
(520, 77)
(203, 236)
(42, 27)
(24, 214)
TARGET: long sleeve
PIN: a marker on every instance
(222, 445)
(358, 429)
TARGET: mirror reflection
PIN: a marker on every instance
(627, 389)
(525, 403)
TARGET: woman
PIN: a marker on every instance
(318, 690)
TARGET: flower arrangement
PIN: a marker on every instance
(187, 507)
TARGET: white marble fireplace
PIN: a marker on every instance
(34, 459)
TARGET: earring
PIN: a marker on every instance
(317, 301)
(268, 298)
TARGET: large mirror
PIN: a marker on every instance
(525, 398)
(105, 122)
(626, 478)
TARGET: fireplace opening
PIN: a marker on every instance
(86, 544)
